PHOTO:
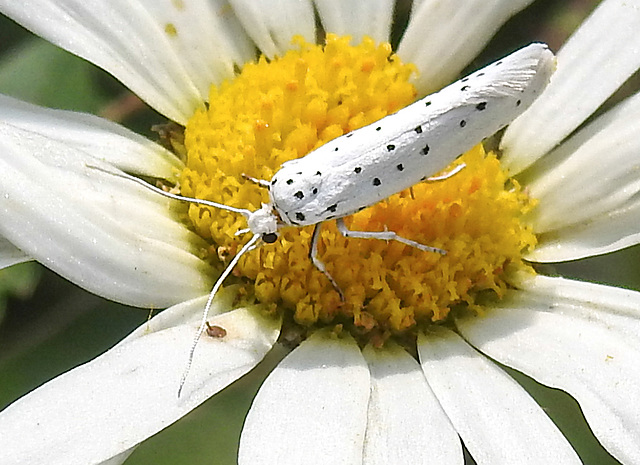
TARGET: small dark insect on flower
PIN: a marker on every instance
(216, 331)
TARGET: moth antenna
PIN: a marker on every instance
(259, 182)
(227, 271)
(207, 203)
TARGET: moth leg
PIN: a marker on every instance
(384, 236)
(313, 255)
(448, 174)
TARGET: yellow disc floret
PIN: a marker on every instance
(275, 111)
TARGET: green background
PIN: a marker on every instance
(48, 325)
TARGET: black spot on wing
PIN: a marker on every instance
(357, 170)
(391, 147)
(299, 195)
(481, 106)
(299, 216)
(290, 219)
(376, 181)
(418, 129)
(289, 181)
(425, 150)
(400, 167)
(332, 208)
(463, 123)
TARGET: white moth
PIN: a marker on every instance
(367, 165)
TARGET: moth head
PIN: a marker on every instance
(264, 223)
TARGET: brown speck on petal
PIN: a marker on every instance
(216, 331)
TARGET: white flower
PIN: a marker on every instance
(327, 401)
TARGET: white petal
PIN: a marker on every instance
(588, 189)
(357, 19)
(106, 234)
(119, 459)
(443, 37)
(208, 41)
(497, 419)
(112, 403)
(272, 24)
(596, 60)
(606, 233)
(405, 422)
(10, 254)
(168, 52)
(312, 408)
(186, 313)
(99, 137)
(611, 307)
(571, 336)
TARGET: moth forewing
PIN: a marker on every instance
(365, 166)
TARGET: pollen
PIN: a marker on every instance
(281, 109)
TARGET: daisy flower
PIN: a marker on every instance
(404, 368)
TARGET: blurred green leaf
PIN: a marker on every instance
(59, 332)
(18, 281)
(41, 73)
(620, 268)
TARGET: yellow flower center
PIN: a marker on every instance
(279, 110)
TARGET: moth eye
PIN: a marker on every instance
(269, 238)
